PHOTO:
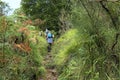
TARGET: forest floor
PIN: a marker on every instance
(51, 72)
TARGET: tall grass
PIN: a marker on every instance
(21, 60)
(84, 52)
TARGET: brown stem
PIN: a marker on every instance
(109, 13)
(116, 41)
(86, 10)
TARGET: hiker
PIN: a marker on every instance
(46, 32)
(50, 40)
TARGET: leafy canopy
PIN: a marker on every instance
(47, 10)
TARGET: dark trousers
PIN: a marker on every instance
(49, 47)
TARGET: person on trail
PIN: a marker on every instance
(50, 40)
(46, 32)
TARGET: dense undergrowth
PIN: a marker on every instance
(21, 51)
(88, 47)
(85, 51)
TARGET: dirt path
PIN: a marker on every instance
(51, 73)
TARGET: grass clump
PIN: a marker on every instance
(21, 52)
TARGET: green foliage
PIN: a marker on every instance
(92, 58)
(41, 71)
(68, 40)
(47, 10)
(88, 51)
(16, 62)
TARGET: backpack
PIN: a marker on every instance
(49, 35)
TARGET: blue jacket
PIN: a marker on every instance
(49, 38)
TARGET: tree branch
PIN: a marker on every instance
(116, 41)
(109, 13)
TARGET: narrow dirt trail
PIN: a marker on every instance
(51, 72)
